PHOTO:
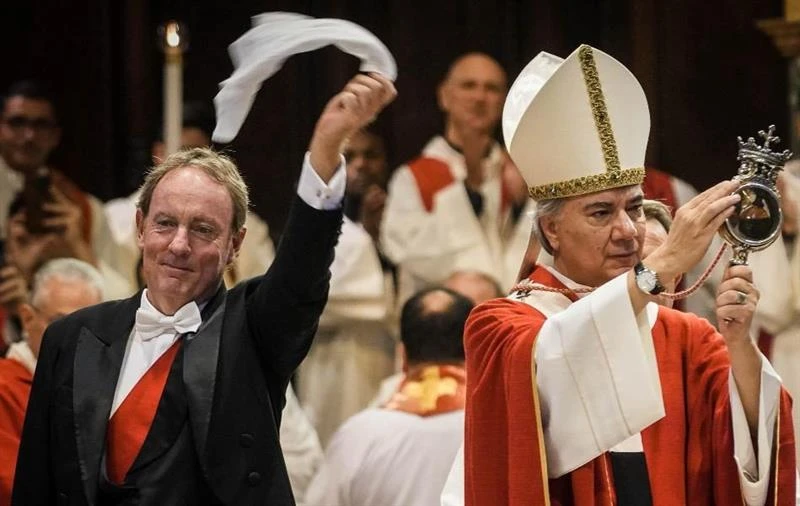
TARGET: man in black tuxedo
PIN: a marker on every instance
(174, 395)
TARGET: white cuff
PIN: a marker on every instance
(313, 190)
(754, 470)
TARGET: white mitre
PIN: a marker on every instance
(576, 126)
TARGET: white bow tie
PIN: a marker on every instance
(151, 323)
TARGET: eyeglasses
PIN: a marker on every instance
(38, 125)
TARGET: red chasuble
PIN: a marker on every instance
(15, 388)
(689, 452)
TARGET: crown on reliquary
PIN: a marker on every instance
(761, 161)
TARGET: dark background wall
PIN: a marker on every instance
(709, 75)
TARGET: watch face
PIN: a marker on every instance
(646, 280)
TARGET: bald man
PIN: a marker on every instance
(460, 205)
(475, 286)
(399, 453)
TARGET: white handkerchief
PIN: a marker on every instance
(275, 36)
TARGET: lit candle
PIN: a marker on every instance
(173, 85)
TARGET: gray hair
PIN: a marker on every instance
(542, 209)
(217, 166)
(656, 210)
(68, 269)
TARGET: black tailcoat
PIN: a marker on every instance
(219, 442)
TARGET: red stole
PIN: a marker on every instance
(128, 427)
(689, 452)
(429, 390)
(431, 175)
(15, 388)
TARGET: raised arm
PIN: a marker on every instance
(285, 307)
(354, 107)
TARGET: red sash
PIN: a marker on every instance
(128, 427)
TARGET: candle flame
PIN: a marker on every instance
(172, 36)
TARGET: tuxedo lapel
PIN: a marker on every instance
(201, 353)
(98, 359)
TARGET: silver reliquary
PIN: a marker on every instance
(757, 219)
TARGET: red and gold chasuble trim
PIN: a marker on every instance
(430, 390)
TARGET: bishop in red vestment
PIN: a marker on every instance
(581, 390)
(689, 452)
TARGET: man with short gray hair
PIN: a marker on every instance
(60, 287)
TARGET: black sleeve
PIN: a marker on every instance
(284, 308)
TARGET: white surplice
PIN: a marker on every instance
(388, 458)
(428, 246)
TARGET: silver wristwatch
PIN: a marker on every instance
(647, 280)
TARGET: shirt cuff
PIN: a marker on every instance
(313, 190)
(754, 471)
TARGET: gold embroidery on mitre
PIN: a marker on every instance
(588, 184)
(614, 176)
(597, 102)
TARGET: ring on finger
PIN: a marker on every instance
(741, 297)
